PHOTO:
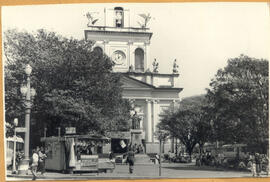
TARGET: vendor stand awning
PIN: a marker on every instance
(64, 138)
(119, 135)
(15, 138)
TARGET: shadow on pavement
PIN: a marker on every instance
(201, 168)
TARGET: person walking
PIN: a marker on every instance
(252, 165)
(41, 161)
(130, 160)
(34, 164)
(258, 164)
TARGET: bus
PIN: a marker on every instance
(232, 150)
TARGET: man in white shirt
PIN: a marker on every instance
(34, 164)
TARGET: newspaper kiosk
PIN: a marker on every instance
(76, 153)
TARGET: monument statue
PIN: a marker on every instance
(135, 120)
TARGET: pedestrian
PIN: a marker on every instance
(258, 164)
(111, 157)
(252, 165)
(171, 156)
(34, 164)
(265, 162)
(130, 160)
(41, 162)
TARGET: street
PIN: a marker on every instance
(172, 170)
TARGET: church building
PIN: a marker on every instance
(149, 91)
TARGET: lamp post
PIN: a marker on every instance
(162, 136)
(14, 146)
(28, 93)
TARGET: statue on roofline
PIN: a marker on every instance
(175, 67)
(91, 18)
(146, 19)
(155, 66)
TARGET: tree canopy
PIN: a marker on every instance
(234, 110)
(75, 86)
(238, 100)
(188, 123)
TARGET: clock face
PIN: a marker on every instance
(119, 57)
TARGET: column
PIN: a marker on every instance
(106, 47)
(155, 114)
(172, 138)
(130, 55)
(147, 62)
(149, 121)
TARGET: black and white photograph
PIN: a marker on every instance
(136, 90)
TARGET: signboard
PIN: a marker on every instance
(88, 163)
(119, 135)
(20, 129)
(70, 130)
(123, 144)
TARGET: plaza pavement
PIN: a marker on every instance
(146, 171)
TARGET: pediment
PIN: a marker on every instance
(132, 83)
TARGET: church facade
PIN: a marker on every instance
(149, 91)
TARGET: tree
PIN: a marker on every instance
(238, 98)
(75, 85)
(189, 123)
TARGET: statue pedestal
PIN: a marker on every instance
(137, 135)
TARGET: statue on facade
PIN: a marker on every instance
(146, 19)
(155, 66)
(175, 67)
(91, 18)
(118, 18)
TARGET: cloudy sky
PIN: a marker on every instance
(201, 36)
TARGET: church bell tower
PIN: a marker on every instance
(127, 46)
(149, 91)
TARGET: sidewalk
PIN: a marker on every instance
(51, 175)
(172, 170)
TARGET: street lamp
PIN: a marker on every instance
(162, 136)
(14, 146)
(28, 95)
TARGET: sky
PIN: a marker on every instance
(201, 36)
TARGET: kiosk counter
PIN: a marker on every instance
(77, 153)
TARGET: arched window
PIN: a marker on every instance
(98, 50)
(139, 60)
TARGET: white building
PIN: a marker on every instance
(149, 91)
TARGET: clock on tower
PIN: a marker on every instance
(119, 57)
